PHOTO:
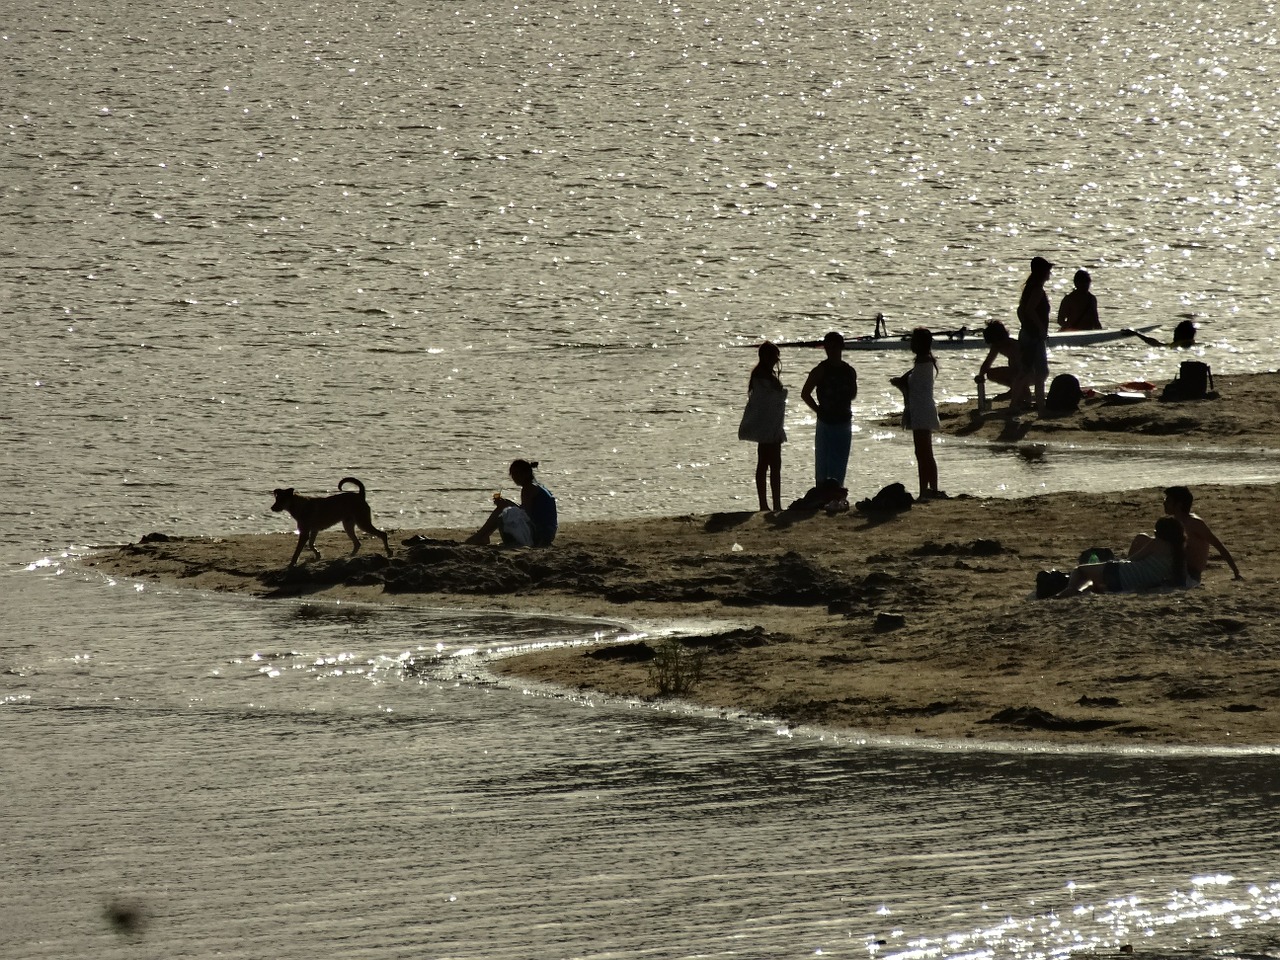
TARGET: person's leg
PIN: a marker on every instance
(772, 453)
(926, 464)
(1000, 375)
(762, 468)
(821, 452)
(490, 525)
(1087, 576)
(1141, 541)
(839, 440)
(493, 521)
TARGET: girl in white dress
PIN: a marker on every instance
(921, 414)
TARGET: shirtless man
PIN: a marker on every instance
(1177, 503)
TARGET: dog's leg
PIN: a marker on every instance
(297, 551)
(371, 529)
(349, 525)
(366, 524)
(311, 544)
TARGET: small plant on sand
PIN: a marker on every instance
(675, 669)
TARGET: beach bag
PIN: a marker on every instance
(826, 493)
(903, 383)
(515, 527)
(891, 499)
(764, 415)
(1064, 394)
(1194, 381)
(1050, 583)
(1096, 555)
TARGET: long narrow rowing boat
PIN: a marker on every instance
(966, 339)
(972, 339)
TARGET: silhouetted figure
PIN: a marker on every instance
(1184, 334)
(1200, 539)
(835, 384)
(763, 423)
(1079, 308)
(1155, 562)
(1002, 345)
(530, 523)
(920, 413)
(1033, 334)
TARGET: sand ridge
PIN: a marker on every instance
(916, 624)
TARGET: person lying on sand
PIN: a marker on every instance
(1177, 503)
(1157, 561)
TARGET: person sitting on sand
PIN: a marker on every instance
(1079, 308)
(1001, 343)
(1157, 561)
(1177, 504)
(530, 523)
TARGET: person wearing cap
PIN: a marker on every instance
(829, 392)
(1079, 308)
(1033, 314)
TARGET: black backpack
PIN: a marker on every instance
(1064, 394)
(1194, 381)
(891, 499)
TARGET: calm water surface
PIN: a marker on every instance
(279, 244)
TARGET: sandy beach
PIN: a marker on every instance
(917, 624)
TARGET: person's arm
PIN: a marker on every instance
(1091, 314)
(986, 364)
(526, 498)
(1064, 315)
(1218, 545)
(806, 392)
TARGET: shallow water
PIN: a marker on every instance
(259, 778)
(278, 245)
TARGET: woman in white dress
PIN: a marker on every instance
(762, 423)
(921, 412)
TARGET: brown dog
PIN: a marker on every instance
(314, 514)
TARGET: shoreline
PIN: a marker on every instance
(912, 625)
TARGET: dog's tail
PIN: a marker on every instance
(345, 480)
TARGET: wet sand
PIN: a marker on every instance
(916, 624)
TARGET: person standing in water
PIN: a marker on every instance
(920, 413)
(1033, 334)
(835, 384)
(763, 423)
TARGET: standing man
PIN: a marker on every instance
(836, 386)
